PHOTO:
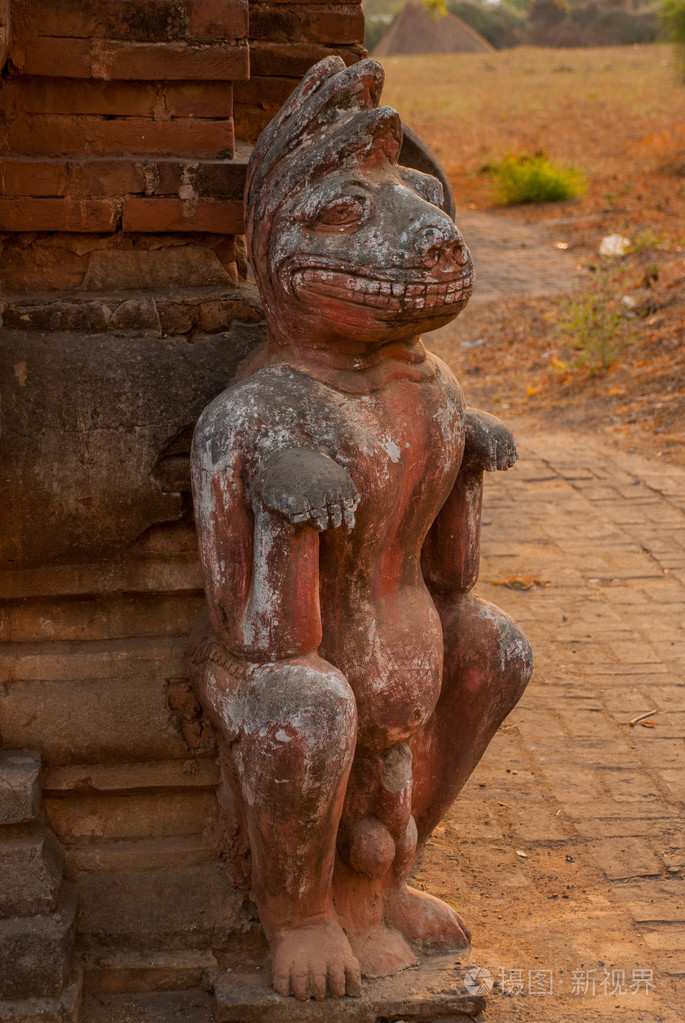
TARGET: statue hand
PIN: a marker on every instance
(489, 443)
(308, 488)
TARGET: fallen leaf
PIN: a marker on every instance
(641, 717)
(520, 582)
(648, 724)
(532, 391)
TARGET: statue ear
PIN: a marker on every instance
(369, 134)
(416, 154)
(426, 185)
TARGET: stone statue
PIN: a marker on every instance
(352, 678)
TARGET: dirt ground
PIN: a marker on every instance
(618, 115)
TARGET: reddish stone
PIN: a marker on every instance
(294, 59)
(56, 215)
(91, 178)
(4, 43)
(163, 215)
(199, 99)
(140, 61)
(26, 268)
(205, 99)
(142, 20)
(217, 19)
(33, 177)
(208, 179)
(335, 25)
(94, 136)
(255, 102)
(73, 96)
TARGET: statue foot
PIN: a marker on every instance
(421, 917)
(314, 961)
(381, 952)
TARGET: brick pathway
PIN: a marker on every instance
(597, 903)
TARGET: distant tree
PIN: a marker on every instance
(502, 24)
(672, 16)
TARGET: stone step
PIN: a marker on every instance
(179, 970)
(20, 786)
(196, 772)
(113, 708)
(35, 951)
(31, 871)
(60, 1008)
(79, 818)
(194, 907)
(142, 854)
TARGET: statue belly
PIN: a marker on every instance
(391, 654)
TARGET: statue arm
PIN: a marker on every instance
(260, 548)
(451, 553)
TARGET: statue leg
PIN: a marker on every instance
(290, 729)
(488, 662)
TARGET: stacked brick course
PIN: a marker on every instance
(118, 120)
(37, 912)
(286, 38)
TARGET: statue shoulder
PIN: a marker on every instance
(238, 422)
(447, 381)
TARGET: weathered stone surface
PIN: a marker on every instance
(185, 266)
(35, 951)
(82, 432)
(177, 851)
(19, 784)
(198, 772)
(98, 618)
(150, 971)
(175, 573)
(158, 814)
(60, 1008)
(193, 907)
(137, 315)
(126, 720)
(433, 991)
(31, 872)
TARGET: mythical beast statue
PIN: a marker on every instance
(353, 679)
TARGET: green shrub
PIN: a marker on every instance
(594, 326)
(672, 17)
(522, 179)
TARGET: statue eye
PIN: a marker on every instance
(342, 215)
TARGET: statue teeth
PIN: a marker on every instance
(383, 294)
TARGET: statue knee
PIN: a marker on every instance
(485, 652)
(309, 704)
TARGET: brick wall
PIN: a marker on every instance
(125, 312)
(286, 37)
(117, 118)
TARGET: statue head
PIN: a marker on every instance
(345, 243)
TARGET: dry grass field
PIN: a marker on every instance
(617, 114)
